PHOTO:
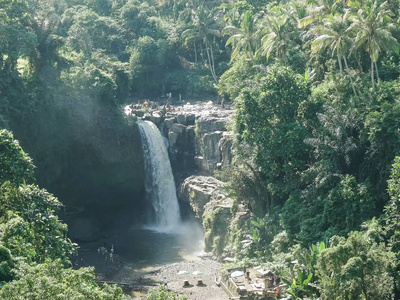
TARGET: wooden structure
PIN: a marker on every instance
(261, 284)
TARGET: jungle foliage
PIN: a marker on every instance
(35, 251)
(317, 132)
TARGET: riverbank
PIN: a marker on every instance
(207, 291)
(143, 259)
(136, 281)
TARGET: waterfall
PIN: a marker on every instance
(159, 182)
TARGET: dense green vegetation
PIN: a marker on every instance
(163, 293)
(317, 133)
(315, 85)
(34, 249)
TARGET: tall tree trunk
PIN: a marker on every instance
(372, 75)
(175, 10)
(211, 61)
(340, 63)
(201, 54)
(376, 70)
(284, 58)
(348, 72)
(195, 53)
(363, 286)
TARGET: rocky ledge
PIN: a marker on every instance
(197, 135)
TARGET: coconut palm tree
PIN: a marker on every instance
(373, 24)
(318, 10)
(205, 29)
(245, 38)
(297, 11)
(277, 37)
(334, 33)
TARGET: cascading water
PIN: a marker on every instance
(160, 185)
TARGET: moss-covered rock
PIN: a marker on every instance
(216, 223)
(209, 200)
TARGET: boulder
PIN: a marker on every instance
(225, 149)
(210, 142)
(178, 128)
(181, 119)
(176, 133)
(190, 119)
(200, 190)
(156, 119)
(210, 124)
(137, 112)
(169, 122)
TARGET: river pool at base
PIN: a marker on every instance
(139, 249)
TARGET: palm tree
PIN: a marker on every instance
(205, 29)
(334, 33)
(277, 38)
(318, 10)
(297, 11)
(373, 23)
(245, 38)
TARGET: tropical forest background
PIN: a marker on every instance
(315, 86)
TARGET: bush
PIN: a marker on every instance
(162, 293)
(235, 79)
(15, 165)
(6, 264)
(51, 281)
(176, 82)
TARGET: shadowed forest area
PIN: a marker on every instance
(315, 86)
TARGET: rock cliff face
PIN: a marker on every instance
(91, 158)
(210, 202)
(198, 138)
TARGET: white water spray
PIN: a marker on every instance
(159, 182)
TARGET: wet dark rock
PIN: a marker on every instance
(156, 119)
(138, 112)
(181, 119)
(190, 119)
(169, 122)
